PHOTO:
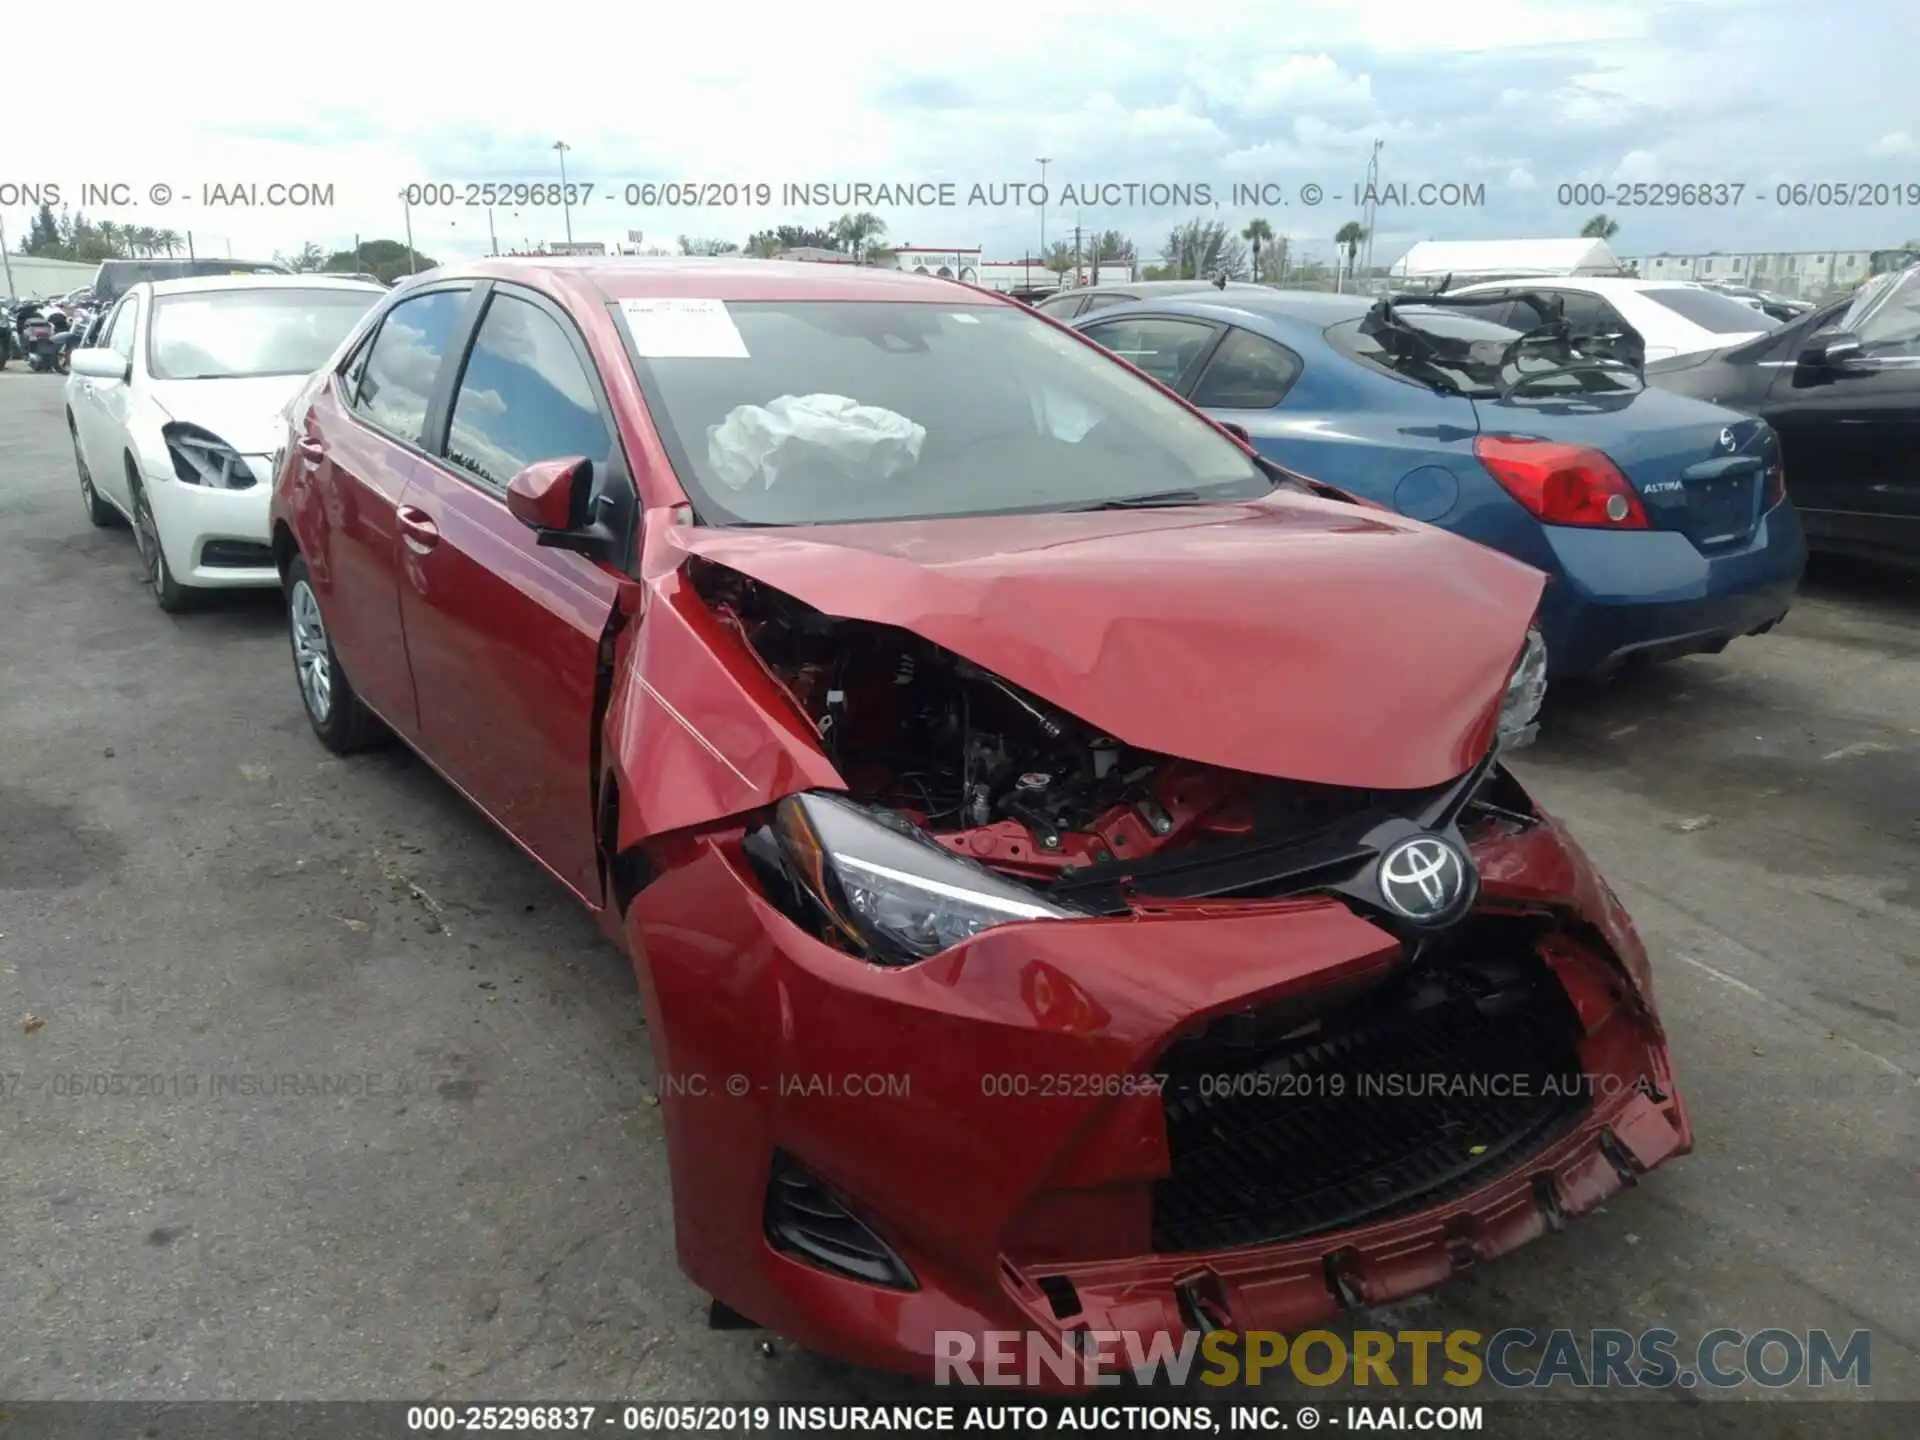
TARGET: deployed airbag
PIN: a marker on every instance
(865, 443)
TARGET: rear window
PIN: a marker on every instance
(1479, 362)
(1721, 314)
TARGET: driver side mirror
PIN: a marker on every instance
(1832, 350)
(100, 363)
(556, 500)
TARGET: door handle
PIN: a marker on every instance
(311, 449)
(417, 529)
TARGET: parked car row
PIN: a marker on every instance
(912, 688)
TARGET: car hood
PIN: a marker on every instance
(244, 413)
(1291, 637)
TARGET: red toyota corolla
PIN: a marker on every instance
(1067, 862)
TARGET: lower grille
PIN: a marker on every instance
(1441, 1079)
(235, 555)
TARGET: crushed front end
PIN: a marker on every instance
(988, 1021)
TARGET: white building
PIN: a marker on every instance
(1797, 274)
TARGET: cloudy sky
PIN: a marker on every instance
(1517, 96)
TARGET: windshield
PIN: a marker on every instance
(1722, 314)
(233, 334)
(1475, 360)
(814, 412)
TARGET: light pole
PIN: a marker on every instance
(4, 260)
(412, 259)
(566, 209)
(493, 242)
(1373, 181)
(1044, 162)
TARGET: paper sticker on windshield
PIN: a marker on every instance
(677, 329)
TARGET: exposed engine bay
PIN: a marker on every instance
(987, 770)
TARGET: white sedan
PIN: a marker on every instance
(1674, 317)
(175, 415)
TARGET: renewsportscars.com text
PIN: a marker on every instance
(1513, 1358)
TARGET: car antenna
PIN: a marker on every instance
(1219, 279)
(1445, 281)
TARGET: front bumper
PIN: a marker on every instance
(1615, 596)
(1012, 1154)
(214, 538)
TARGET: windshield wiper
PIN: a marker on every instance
(1156, 500)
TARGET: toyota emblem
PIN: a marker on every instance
(1423, 878)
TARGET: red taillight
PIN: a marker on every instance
(1562, 484)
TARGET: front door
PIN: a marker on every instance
(504, 635)
(101, 417)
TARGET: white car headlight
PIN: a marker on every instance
(202, 458)
(887, 887)
(1526, 689)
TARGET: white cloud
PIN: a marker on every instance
(1113, 90)
(1284, 85)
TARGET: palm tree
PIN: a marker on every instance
(110, 234)
(1257, 233)
(856, 231)
(1350, 237)
(167, 240)
(1600, 227)
(143, 239)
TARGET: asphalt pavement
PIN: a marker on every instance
(196, 899)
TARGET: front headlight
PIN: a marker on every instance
(202, 458)
(888, 888)
(1526, 688)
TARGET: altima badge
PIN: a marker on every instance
(1423, 878)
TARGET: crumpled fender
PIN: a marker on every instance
(696, 727)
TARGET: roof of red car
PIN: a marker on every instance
(727, 278)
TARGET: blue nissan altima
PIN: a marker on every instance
(1662, 521)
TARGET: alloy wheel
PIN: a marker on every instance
(311, 657)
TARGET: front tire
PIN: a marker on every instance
(98, 511)
(335, 711)
(168, 593)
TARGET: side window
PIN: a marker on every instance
(1588, 311)
(404, 360)
(1893, 328)
(1247, 372)
(524, 397)
(1165, 349)
(120, 328)
(1101, 302)
(1061, 307)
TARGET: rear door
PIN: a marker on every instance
(362, 446)
(504, 635)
